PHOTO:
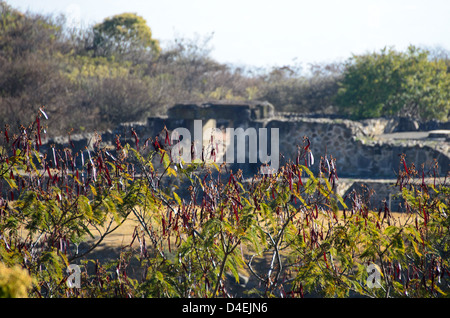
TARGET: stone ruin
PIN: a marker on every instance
(367, 152)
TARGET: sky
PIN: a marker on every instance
(269, 33)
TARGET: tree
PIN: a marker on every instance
(289, 90)
(126, 35)
(393, 83)
(30, 65)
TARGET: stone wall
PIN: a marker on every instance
(358, 150)
(375, 193)
(357, 154)
(367, 156)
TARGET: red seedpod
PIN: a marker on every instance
(48, 171)
(6, 134)
(167, 140)
(156, 144)
(136, 139)
(38, 123)
(108, 177)
(404, 165)
(325, 258)
(235, 212)
(308, 143)
(164, 226)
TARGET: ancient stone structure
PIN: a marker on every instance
(368, 150)
(359, 152)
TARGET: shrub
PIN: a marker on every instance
(290, 91)
(14, 282)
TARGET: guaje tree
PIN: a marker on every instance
(198, 224)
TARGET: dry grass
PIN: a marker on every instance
(110, 248)
(123, 235)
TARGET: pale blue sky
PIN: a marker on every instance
(265, 33)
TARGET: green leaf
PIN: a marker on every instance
(439, 290)
(390, 230)
(159, 276)
(416, 248)
(216, 166)
(85, 206)
(166, 159)
(52, 264)
(12, 184)
(177, 198)
(171, 171)
(93, 190)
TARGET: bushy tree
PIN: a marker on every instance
(391, 83)
(126, 36)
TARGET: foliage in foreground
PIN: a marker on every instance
(200, 223)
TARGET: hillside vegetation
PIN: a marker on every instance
(116, 71)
